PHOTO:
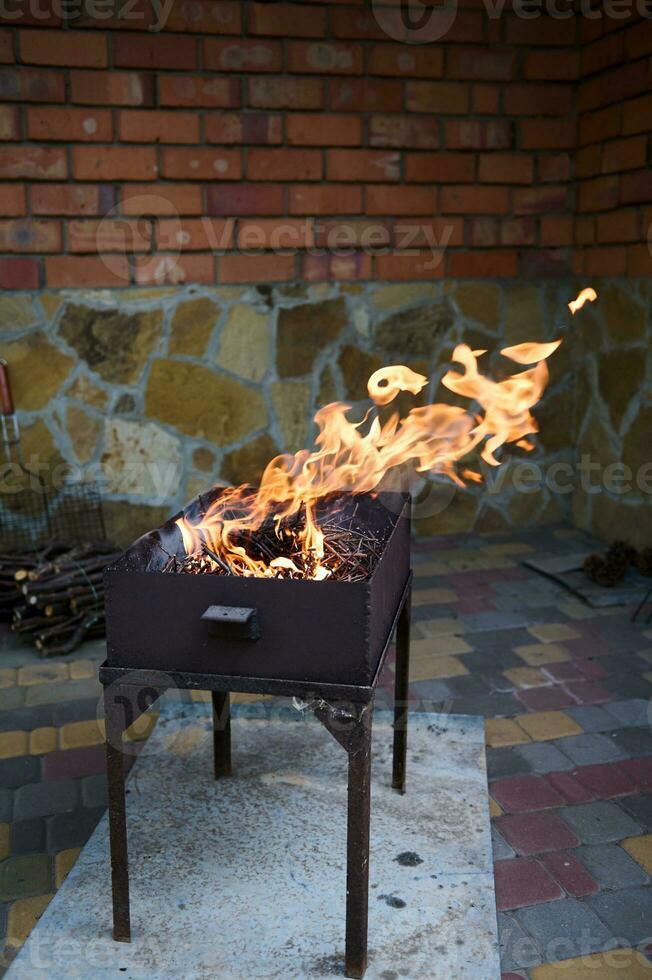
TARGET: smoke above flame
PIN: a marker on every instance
(355, 457)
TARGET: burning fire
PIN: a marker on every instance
(354, 457)
(588, 295)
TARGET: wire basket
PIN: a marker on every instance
(37, 515)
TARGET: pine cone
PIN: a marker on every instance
(644, 561)
(592, 563)
(621, 551)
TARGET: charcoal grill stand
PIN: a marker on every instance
(346, 711)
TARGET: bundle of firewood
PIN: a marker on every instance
(56, 596)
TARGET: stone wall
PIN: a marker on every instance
(161, 392)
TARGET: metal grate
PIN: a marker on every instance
(35, 516)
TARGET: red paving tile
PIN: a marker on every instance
(570, 874)
(521, 881)
(533, 833)
(546, 698)
(605, 780)
(591, 668)
(572, 790)
(588, 691)
(586, 647)
(640, 772)
(71, 763)
(517, 794)
(564, 672)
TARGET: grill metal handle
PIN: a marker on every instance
(232, 622)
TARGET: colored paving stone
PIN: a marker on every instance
(617, 964)
(523, 793)
(605, 781)
(567, 925)
(80, 733)
(424, 597)
(71, 763)
(43, 740)
(640, 773)
(639, 807)
(521, 882)
(494, 809)
(21, 877)
(640, 849)
(599, 823)
(517, 948)
(526, 677)
(540, 654)
(543, 757)
(534, 833)
(443, 667)
(570, 788)
(23, 916)
(554, 632)
(591, 718)
(592, 749)
(611, 866)
(41, 673)
(45, 799)
(13, 744)
(82, 669)
(504, 731)
(440, 646)
(546, 698)
(627, 912)
(5, 837)
(63, 864)
(8, 677)
(548, 725)
(571, 875)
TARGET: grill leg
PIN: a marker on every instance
(401, 696)
(114, 718)
(357, 874)
(222, 733)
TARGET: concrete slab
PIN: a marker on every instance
(245, 878)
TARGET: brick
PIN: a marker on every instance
(604, 53)
(533, 833)
(501, 850)
(521, 882)
(554, 167)
(474, 200)
(115, 163)
(636, 115)
(547, 134)
(539, 100)
(242, 55)
(362, 165)
(33, 162)
(395, 266)
(64, 862)
(78, 125)
(164, 269)
(142, 126)
(403, 131)
(365, 95)
(155, 51)
(611, 866)
(636, 188)
(24, 875)
(235, 200)
(6, 47)
(545, 30)
(23, 916)
(545, 65)
(515, 946)
(69, 49)
(568, 925)
(82, 669)
(108, 235)
(19, 273)
(205, 17)
(506, 168)
(638, 263)
(406, 61)
(312, 57)
(519, 794)
(605, 261)
(285, 93)
(638, 40)
(9, 129)
(627, 912)
(31, 85)
(287, 20)
(252, 127)
(640, 808)
(71, 199)
(196, 92)
(352, 233)
(282, 164)
(275, 233)
(320, 129)
(481, 64)
(387, 199)
(325, 199)
(119, 88)
(12, 204)
(553, 632)
(329, 267)
(485, 99)
(537, 200)
(256, 268)
(201, 164)
(195, 234)
(437, 97)
(365, 24)
(624, 154)
(571, 875)
(63, 271)
(618, 226)
(161, 199)
(557, 231)
(439, 167)
(592, 718)
(34, 235)
(479, 264)
(600, 125)
(476, 134)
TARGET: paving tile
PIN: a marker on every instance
(591, 749)
(631, 713)
(63, 864)
(488, 705)
(6, 804)
(539, 654)
(554, 632)
(12, 698)
(605, 781)
(81, 733)
(501, 849)
(640, 849)
(23, 916)
(523, 881)
(429, 693)
(487, 659)
(13, 744)
(5, 841)
(73, 829)
(72, 711)
(43, 740)
(571, 875)
(520, 794)
(505, 762)
(28, 836)
(56, 693)
(640, 772)
(591, 718)
(526, 677)
(570, 671)
(438, 626)
(545, 725)
(628, 685)
(543, 757)
(546, 698)
(8, 677)
(640, 808)
(567, 926)
(599, 823)
(24, 875)
(534, 833)
(617, 964)
(517, 948)
(494, 809)
(588, 691)
(26, 719)
(611, 866)
(633, 741)
(440, 646)
(627, 912)
(43, 799)
(72, 763)
(570, 788)
(43, 673)
(504, 731)
(445, 667)
(94, 791)
(81, 669)
(19, 771)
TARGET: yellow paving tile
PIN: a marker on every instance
(427, 597)
(82, 669)
(43, 674)
(141, 727)
(439, 646)
(544, 725)
(13, 744)
(437, 627)
(509, 548)
(23, 916)
(576, 610)
(526, 677)
(200, 695)
(440, 667)
(243, 698)
(553, 632)
(617, 964)
(5, 840)
(503, 731)
(538, 654)
(43, 740)
(79, 733)
(641, 850)
(8, 676)
(63, 863)
(430, 568)
(494, 809)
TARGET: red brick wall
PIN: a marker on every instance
(278, 123)
(614, 178)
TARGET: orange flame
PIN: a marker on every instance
(587, 295)
(433, 438)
